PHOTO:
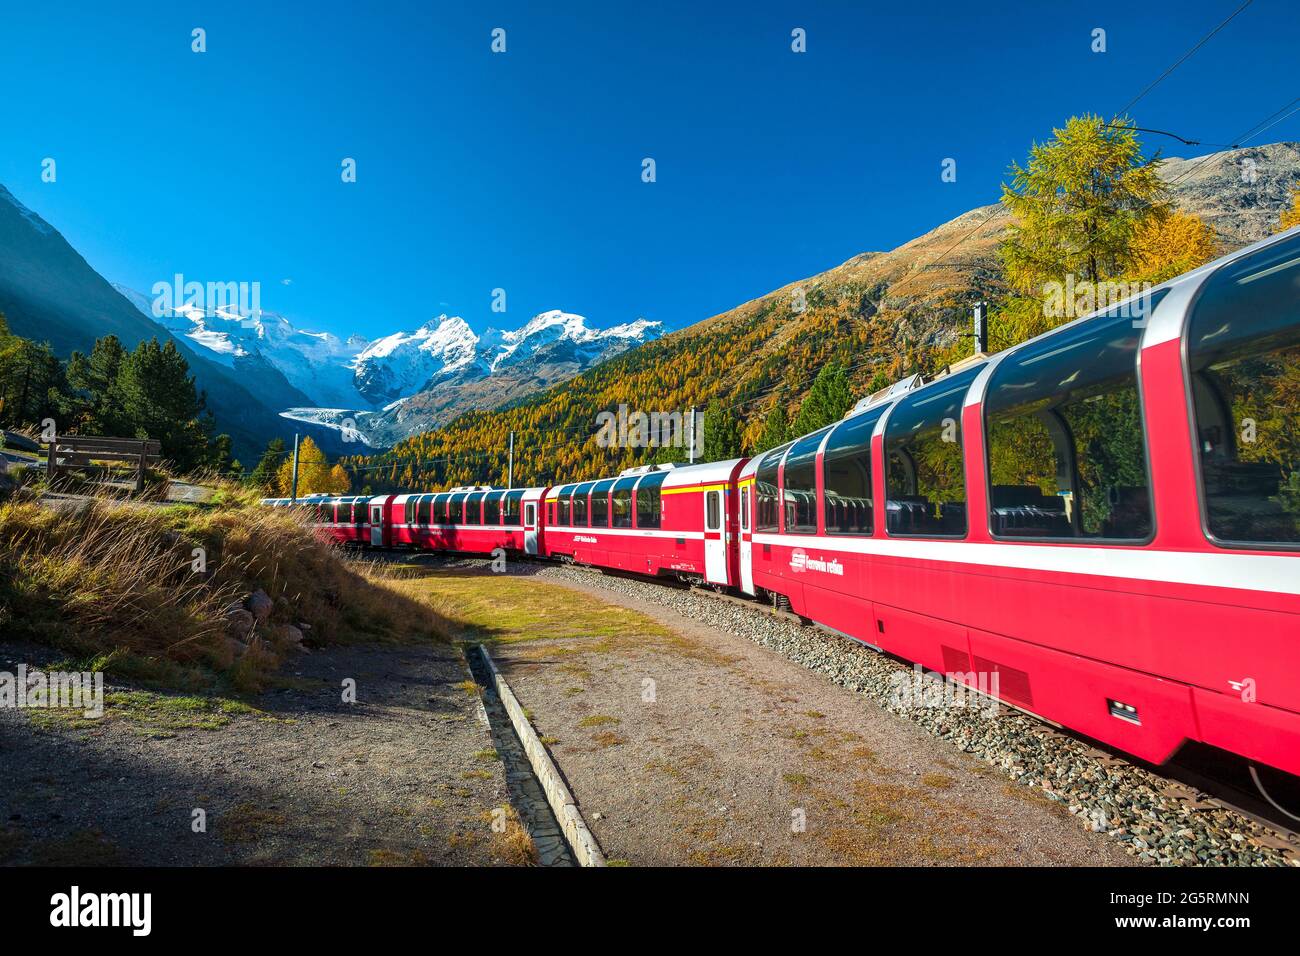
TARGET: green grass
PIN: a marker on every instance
(500, 609)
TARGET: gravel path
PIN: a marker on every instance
(1106, 795)
(407, 775)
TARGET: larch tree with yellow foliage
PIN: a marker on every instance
(315, 476)
(1169, 245)
(1291, 217)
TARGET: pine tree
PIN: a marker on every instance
(826, 402)
(776, 429)
(721, 433)
(264, 475)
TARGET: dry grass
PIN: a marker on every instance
(116, 586)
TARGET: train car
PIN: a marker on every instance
(472, 519)
(656, 520)
(1102, 523)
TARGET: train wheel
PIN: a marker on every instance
(1278, 788)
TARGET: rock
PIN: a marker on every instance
(236, 646)
(239, 623)
(292, 636)
(260, 603)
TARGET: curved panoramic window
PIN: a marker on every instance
(1066, 445)
(846, 476)
(621, 502)
(438, 511)
(600, 503)
(492, 508)
(420, 509)
(1243, 355)
(456, 508)
(581, 509)
(925, 483)
(511, 507)
(474, 508)
(649, 509)
(767, 503)
(799, 485)
(562, 506)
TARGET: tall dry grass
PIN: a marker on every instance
(150, 585)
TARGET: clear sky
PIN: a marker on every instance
(523, 170)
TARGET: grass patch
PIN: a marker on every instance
(117, 583)
(598, 720)
(488, 754)
(939, 781)
(246, 823)
(502, 609)
(607, 738)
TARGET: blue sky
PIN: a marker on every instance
(522, 170)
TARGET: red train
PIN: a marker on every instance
(1106, 517)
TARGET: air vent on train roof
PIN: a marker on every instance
(901, 387)
(646, 469)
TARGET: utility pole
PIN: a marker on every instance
(692, 452)
(981, 328)
(510, 473)
(294, 492)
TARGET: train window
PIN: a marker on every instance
(846, 476)
(530, 517)
(511, 507)
(438, 510)
(359, 513)
(799, 485)
(474, 507)
(925, 483)
(1243, 355)
(419, 510)
(713, 511)
(649, 504)
(563, 516)
(744, 509)
(1066, 444)
(492, 508)
(621, 502)
(456, 508)
(600, 504)
(580, 496)
(765, 490)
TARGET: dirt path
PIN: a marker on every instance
(703, 748)
(406, 775)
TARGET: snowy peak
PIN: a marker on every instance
(399, 365)
(348, 378)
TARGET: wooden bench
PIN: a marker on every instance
(70, 451)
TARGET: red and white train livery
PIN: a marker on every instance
(1106, 518)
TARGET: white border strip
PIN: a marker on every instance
(565, 808)
(1278, 574)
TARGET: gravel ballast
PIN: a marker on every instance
(1127, 802)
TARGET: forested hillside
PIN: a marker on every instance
(878, 316)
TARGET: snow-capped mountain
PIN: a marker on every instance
(355, 386)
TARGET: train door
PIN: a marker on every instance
(530, 527)
(715, 545)
(377, 524)
(746, 544)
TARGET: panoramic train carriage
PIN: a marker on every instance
(656, 520)
(1101, 525)
(472, 519)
